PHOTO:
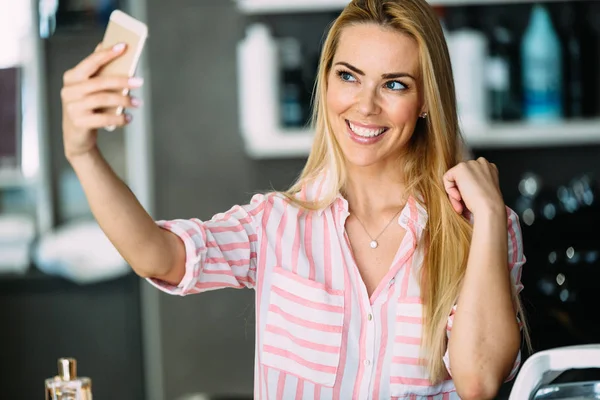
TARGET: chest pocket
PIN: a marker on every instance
(303, 332)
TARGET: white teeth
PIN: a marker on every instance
(365, 132)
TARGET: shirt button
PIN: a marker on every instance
(367, 363)
(370, 317)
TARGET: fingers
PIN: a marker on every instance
(457, 205)
(97, 121)
(472, 185)
(102, 101)
(92, 64)
(453, 191)
(485, 163)
(99, 84)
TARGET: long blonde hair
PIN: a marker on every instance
(436, 146)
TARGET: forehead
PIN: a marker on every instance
(377, 49)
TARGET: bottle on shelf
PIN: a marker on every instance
(67, 385)
(541, 56)
(501, 69)
(257, 68)
(573, 84)
(591, 60)
(468, 48)
(293, 100)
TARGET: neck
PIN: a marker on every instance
(375, 193)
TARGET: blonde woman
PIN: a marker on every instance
(391, 269)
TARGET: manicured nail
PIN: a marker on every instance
(136, 102)
(117, 48)
(136, 82)
(128, 118)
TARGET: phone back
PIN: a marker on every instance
(124, 29)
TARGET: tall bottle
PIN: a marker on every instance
(502, 70)
(591, 60)
(293, 99)
(573, 53)
(468, 48)
(67, 385)
(541, 56)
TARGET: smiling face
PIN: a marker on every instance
(373, 94)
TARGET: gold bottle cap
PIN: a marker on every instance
(67, 369)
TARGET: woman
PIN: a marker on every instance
(385, 244)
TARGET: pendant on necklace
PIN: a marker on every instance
(374, 244)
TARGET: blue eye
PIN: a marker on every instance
(346, 76)
(395, 85)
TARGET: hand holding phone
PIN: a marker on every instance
(123, 28)
(96, 91)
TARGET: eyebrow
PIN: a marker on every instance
(394, 75)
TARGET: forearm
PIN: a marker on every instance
(147, 248)
(485, 335)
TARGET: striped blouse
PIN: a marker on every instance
(318, 333)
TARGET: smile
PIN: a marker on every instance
(367, 132)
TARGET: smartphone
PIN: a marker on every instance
(123, 28)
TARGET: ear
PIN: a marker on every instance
(424, 112)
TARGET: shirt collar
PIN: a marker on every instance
(413, 212)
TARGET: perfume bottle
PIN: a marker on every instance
(67, 385)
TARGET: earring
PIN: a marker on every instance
(424, 115)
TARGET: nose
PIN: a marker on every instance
(368, 102)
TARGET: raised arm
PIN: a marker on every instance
(149, 250)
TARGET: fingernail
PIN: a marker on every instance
(128, 118)
(136, 102)
(118, 47)
(136, 81)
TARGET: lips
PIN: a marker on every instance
(367, 131)
(365, 134)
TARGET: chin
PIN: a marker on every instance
(360, 160)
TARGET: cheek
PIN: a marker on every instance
(338, 99)
(403, 110)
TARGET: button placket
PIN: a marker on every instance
(370, 349)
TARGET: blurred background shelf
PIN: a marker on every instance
(287, 143)
(295, 6)
(521, 134)
(13, 179)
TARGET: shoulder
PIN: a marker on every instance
(273, 202)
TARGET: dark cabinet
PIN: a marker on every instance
(44, 318)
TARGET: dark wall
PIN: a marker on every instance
(45, 318)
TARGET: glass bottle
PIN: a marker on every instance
(67, 385)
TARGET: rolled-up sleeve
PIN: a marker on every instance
(220, 253)
(516, 260)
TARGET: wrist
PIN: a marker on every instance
(81, 157)
(491, 216)
(491, 211)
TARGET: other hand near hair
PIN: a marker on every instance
(474, 184)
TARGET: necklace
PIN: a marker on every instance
(374, 244)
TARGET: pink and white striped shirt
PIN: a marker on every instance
(318, 333)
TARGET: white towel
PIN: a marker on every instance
(80, 252)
